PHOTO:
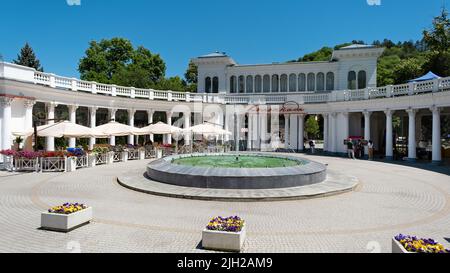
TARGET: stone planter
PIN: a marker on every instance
(8, 162)
(65, 222)
(124, 156)
(110, 158)
(159, 153)
(223, 240)
(92, 160)
(397, 247)
(71, 164)
(141, 154)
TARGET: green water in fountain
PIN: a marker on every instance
(234, 161)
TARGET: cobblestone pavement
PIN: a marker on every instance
(390, 199)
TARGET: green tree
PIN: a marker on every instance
(408, 69)
(27, 57)
(172, 83)
(191, 76)
(312, 127)
(116, 61)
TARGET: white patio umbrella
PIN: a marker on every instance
(206, 129)
(64, 129)
(159, 128)
(114, 129)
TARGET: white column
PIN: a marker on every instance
(50, 141)
(389, 136)
(411, 134)
(112, 116)
(150, 121)
(28, 125)
(5, 103)
(274, 126)
(332, 133)
(436, 138)
(72, 119)
(293, 131)
(250, 130)
(187, 124)
(325, 132)
(286, 131)
(131, 113)
(169, 121)
(93, 122)
(301, 132)
(367, 132)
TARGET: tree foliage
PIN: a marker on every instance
(191, 76)
(27, 57)
(312, 127)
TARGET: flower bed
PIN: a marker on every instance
(66, 217)
(225, 234)
(412, 244)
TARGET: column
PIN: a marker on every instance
(436, 137)
(5, 103)
(72, 119)
(367, 132)
(389, 136)
(50, 141)
(325, 132)
(286, 131)
(168, 137)
(250, 131)
(28, 104)
(412, 134)
(93, 122)
(150, 121)
(131, 113)
(112, 117)
(333, 133)
(293, 131)
(186, 125)
(301, 132)
(274, 127)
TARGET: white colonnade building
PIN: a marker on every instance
(265, 106)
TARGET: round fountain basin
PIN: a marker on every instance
(221, 171)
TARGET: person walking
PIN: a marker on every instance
(350, 149)
(370, 146)
(312, 146)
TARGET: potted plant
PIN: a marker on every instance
(226, 234)
(411, 244)
(66, 218)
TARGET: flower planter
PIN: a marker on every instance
(65, 222)
(124, 156)
(141, 154)
(223, 240)
(92, 160)
(159, 153)
(71, 164)
(110, 158)
(397, 247)
(8, 162)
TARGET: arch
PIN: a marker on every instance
(266, 83)
(283, 83)
(320, 81)
(275, 83)
(241, 84)
(233, 84)
(311, 82)
(301, 82)
(292, 83)
(249, 84)
(351, 80)
(258, 84)
(208, 85)
(330, 81)
(215, 85)
(362, 79)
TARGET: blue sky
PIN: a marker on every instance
(251, 31)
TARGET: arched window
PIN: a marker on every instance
(320, 82)
(301, 82)
(311, 82)
(330, 81)
(284, 83)
(233, 84)
(241, 84)
(274, 83)
(292, 83)
(266, 83)
(351, 80)
(208, 85)
(215, 85)
(258, 84)
(249, 84)
(362, 79)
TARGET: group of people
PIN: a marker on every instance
(356, 150)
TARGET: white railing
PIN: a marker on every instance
(12, 71)
(53, 164)
(82, 161)
(101, 158)
(25, 164)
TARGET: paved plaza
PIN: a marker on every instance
(389, 199)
